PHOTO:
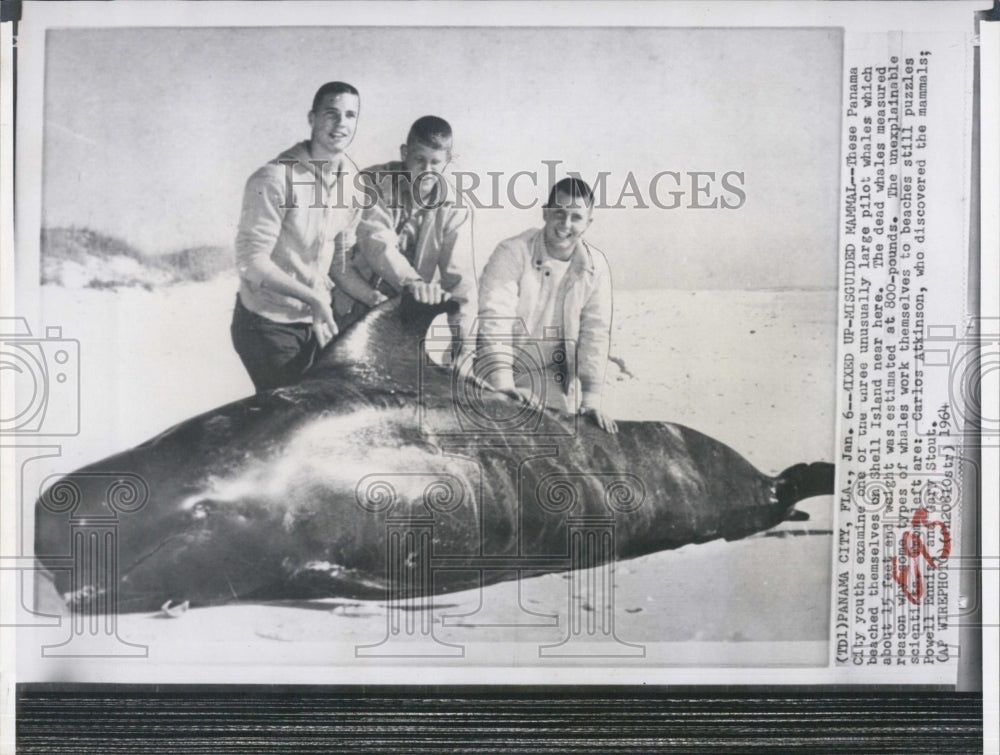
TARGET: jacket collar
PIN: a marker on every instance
(581, 261)
(300, 153)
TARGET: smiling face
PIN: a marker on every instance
(566, 220)
(333, 124)
(426, 163)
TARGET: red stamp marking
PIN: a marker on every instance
(910, 578)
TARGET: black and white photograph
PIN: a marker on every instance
(373, 349)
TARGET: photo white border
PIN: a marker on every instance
(928, 16)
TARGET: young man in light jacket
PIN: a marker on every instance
(299, 211)
(549, 289)
(414, 237)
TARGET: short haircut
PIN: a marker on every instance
(430, 131)
(574, 188)
(334, 88)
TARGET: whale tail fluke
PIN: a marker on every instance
(803, 481)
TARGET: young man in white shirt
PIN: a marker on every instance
(550, 289)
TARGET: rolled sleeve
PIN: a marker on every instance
(379, 244)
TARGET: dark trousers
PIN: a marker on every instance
(274, 353)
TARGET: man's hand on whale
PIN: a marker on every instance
(316, 297)
(600, 418)
(426, 293)
(323, 324)
(526, 397)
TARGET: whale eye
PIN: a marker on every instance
(201, 509)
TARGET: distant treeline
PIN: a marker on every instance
(81, 257)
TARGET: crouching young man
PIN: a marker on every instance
(413, 237)
(549, 288)
(298, 210)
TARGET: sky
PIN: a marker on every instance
(150, 134)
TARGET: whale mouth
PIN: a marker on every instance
(138, 562)
(317, 579)
(82, 597)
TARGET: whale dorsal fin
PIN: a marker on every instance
(385, 346)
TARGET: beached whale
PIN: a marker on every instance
(379, 465)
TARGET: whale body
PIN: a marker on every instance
(378, 462)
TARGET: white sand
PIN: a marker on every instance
(752, 369)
